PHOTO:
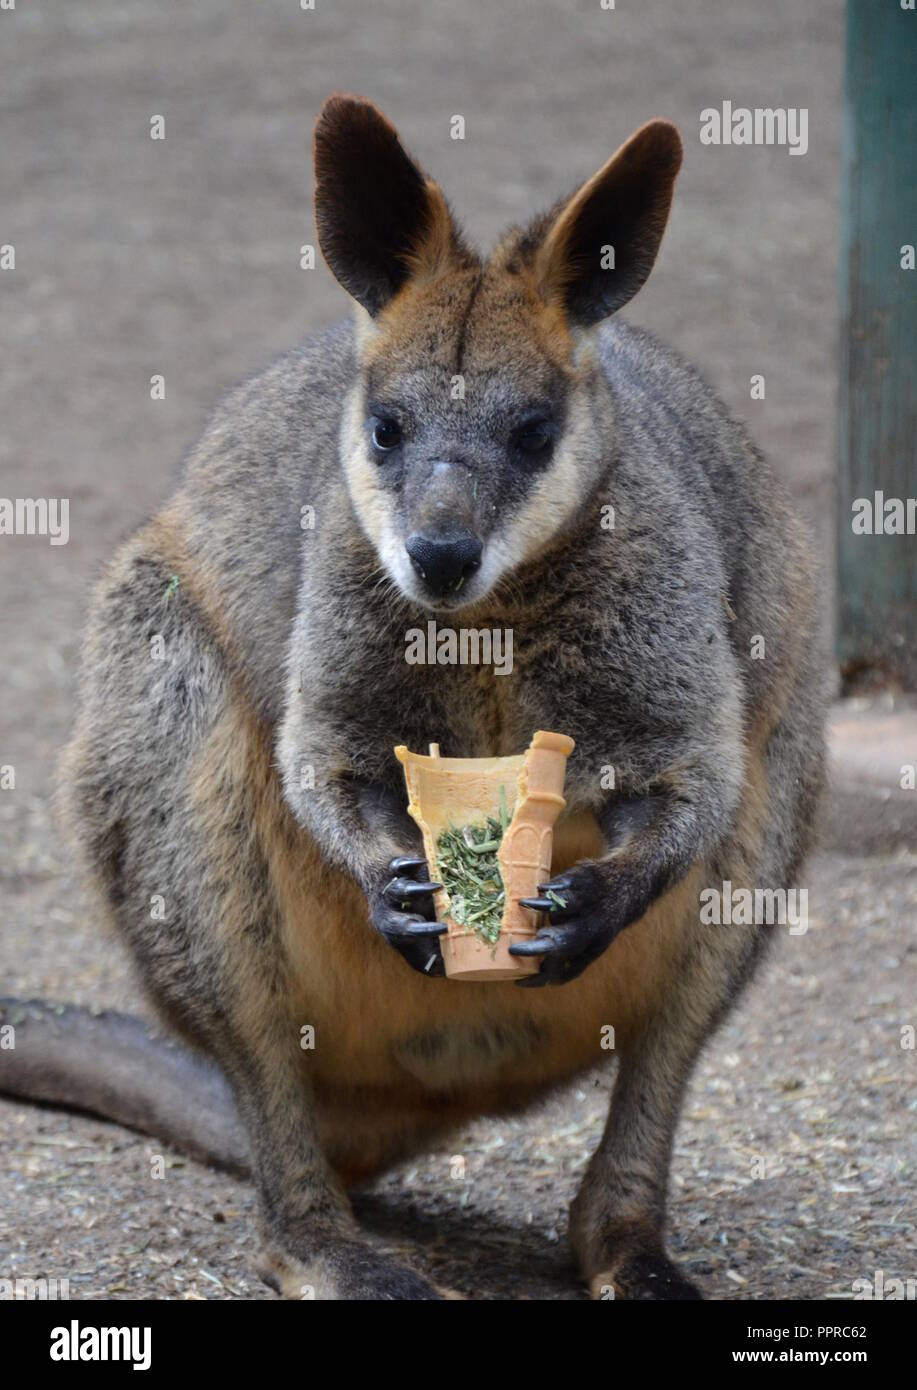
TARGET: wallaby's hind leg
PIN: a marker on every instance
(312, 1248)
(618, 1215)
(617, 1219)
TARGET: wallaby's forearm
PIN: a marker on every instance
(359, 825)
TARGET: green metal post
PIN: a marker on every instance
(877, 565)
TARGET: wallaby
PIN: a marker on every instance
(488, 445)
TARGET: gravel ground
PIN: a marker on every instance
(181, 257)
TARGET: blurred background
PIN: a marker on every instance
(181, 257)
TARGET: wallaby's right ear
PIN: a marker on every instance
(380, 221)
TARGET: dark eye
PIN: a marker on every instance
(534, 437)
(386, 434)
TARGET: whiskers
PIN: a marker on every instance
(381, 586)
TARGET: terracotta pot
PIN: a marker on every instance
(444, 792)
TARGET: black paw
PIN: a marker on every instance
(342, 1269)
(403, 912)
(651, 1277)
(580, 926)
(364, 1274)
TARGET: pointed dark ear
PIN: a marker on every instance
(624, 207)
(380, 221)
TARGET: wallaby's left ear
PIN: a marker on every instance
(625, 206)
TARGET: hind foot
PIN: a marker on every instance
(343, 1269)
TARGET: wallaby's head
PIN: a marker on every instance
(480, 420)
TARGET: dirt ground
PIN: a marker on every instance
(181, 257)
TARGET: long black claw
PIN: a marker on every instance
(428, 929)
(538, 946)
(418, 890)
(404, 864)
(538, 904)
(403, 893)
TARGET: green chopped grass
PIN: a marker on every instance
(468, 869)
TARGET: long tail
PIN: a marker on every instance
(111, 1065)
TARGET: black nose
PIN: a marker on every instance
(444, 565)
